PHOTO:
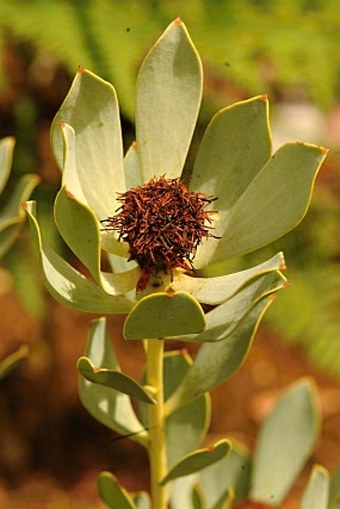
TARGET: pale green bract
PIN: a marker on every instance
(260, 196)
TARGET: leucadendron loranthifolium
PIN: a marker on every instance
(162, 235)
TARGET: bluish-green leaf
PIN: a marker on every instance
(316, 493)
(334, 492)
(164, 314)
(215, 290)
(274, 202)
(234, 148)
(79, 228)
(168, 96)
(111, 408)
(215, 362)
(186, 428)
(142, 500)
(91, 109)
(225, 318)
(6, 157)
(198, 460)
(198, 498)
(66, 284)
(113, 379)
(12, 214)
(286, 440)
(231, 474)
(133, 172)
(181, 492)
(113, 494)
(225, 501)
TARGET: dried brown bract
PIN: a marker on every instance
(163, 223)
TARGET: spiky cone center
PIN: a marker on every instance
(163, 223)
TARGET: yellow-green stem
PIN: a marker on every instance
(157, 441)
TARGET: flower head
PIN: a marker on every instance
(163, 223)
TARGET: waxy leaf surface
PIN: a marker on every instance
(66, 284)
(216, 362)
(113, 379)
(198, 460)
(316, 494)
(215, 290)
(113, 494)
(111, 408)
(186, 428)
(168, 97)
(164, 314)
(91, 109)
(286, 439)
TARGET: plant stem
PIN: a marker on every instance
(157, 442)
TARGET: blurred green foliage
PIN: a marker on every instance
(287, 49)
(258, 45)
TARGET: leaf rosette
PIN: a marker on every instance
(260, 198)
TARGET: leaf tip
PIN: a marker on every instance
(178, 21)
(81, 69)
(286, 284)
(283, 265)
(170, 293)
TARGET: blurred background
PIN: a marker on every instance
(50, 449)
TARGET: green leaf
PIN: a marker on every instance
(80, 229)
(216, 362)
(66, 284)
(225, 501)
(231, 473)
(334, 492)
(142, 500)
(6, 157)
(225, 318)
(11, 361)
(113, 494)
(111, 408)
(164, 314)
(274, 202)
(113, 379)
(186, 428)
(198, 498)
(12, 214)
(133, 172)
(168, 96)
(181, 492)
(316, 493)
(215, 290)
(198, 460)
(234, 148)
(286, 440)
(91, 109)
